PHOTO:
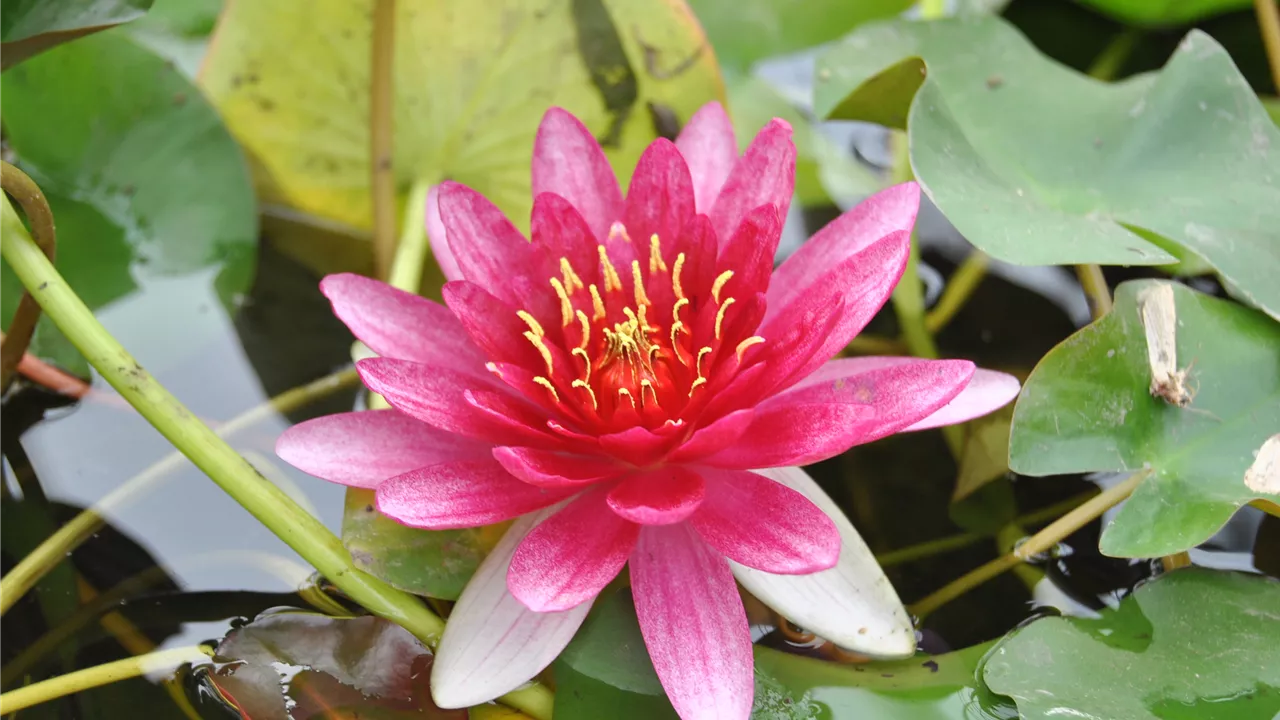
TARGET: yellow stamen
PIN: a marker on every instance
(611, 279)
(676, 327)
(675, 276)
(646, 385)
(586, 362)
(742, 346)
(547, 384)
(531, 322)
(703, 352)
(592, 393)
(571, 279)
(597, 305)
(653, 352)
(638, 281)
(586, 330)
(697, 384)
(542, 349)
(566, 307)
(656, 262)
(618, 230)
(720, 315)
(718, 285)
(625, 393)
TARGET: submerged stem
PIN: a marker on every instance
(23, 326)
(67, 538)
(1047, 538)
(131, 667)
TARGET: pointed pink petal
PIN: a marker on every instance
(851, 604)
(765, 525)
(568, 161)
(637, 445)
(436, 237)
(492, 324)
(555, 470)
(750, 250)
(508, 420)
(903, 390)
(492, 643)
(361, 449)
(490, 251)
(799, 434)
(571, 556)
(660, 198)
(465, 493)
(843, 300)
(560, 231)
(439, 397)
(709, 148)
(765, 174)
(888, 211)
(661, 496)
(397, 324)
(714, 437)
(987, 391)
(693, 623)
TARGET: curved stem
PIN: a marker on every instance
(272, 507)
(18, 337)
(381, 125)
(1269, 23)
(57, 546)
(132, 667)
(960, 287)
(1047, 538)
(1095, 288)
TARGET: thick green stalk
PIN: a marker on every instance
(130, 667)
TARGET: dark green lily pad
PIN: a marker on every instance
(28, 27)
(295, 666)
(145, 183)
(1088, 407)
(435, 563)
(1168, 12)
(1192, 644)
(1038, 164)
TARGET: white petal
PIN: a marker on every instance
(492, 643)
(987, 390)
(851, 604)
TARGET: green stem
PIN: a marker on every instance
(960, 287)
(933, 9)
(131, 667)
(1113, 57)
(67, 538)
(411, 251)
(382, 181)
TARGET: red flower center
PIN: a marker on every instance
(643, 344)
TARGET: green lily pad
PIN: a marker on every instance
(1165, 12)
(1194, 644)
(28, 27)
(435, 563)
(472, 81)
(744, 31)
(301, 666)
(145, 183)
(606, 672)
(1088, 407)
(1038, 164)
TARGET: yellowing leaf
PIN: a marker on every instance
(472, 80)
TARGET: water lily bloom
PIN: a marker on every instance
(636, 383)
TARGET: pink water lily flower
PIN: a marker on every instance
(636, 385)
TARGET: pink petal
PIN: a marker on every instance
(765, 525)
(465, 493)
(749, 252)
(765, 174)
(571, 556)
(714, 437)
(560, 231)
(851, 604)
(397, 324)
(492, 324)
(799, 434)
(555, 470)
(361, 449)
(492, 643)
(638, 445)
(843, 300)
(710, 150)
(509, 420)
(660, 198)
(436, 237)
(568, 161)
(987, 391)
(903, 390)
(490, 251)
(888, 211)
(660, 496)
(693, 623)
